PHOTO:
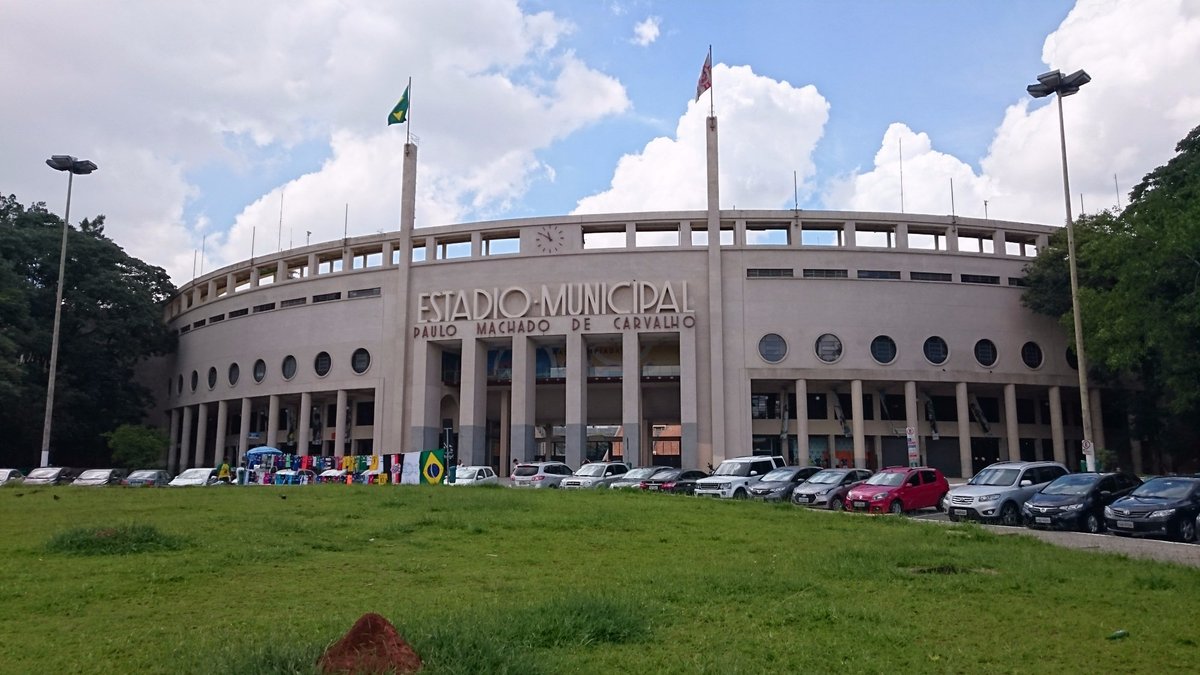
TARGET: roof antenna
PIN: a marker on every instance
(985, 215)
(952, 213)
(901, 142)
(1117, 189)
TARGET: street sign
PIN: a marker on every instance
(1088, 448)
(914, 453)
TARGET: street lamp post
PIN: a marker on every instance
(72, 166)
(1054, 82)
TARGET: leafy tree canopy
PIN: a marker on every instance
(137, 447)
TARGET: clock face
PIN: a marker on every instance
(549, 239)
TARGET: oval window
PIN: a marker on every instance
(234, 373)
(1031, 354)
(195, 380)
(985, 353)
(260, 370)
(212, 377)
(322, 363)
(289, 367)
(360, 360)
(936, 350)
(828, 348)
(772, 348)
(883, 349)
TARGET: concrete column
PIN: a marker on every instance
(304, 432)
(472, 402)
(967, 468)
(426, 396)
(339, 431)
(857, 424)
(347, 259)
(802, 454)
(273, 421)
(281, 271)
(201, 434)
(211, 293)
(524, 404)
(902, 236)
(230, 283)
(244, 431)
(185, 446)
(689, 401)
(313, 264)
(1097, 419)
(254, 276)
(850, 235)
(630, 242)
(911, 419)
(1011, 431)
(505, 430)
(951, 239)
(576, 396)
(685, 233)
(476, 251)
(631, 400)
(377, 427)
(1056, 426)
(717, 445)
(173, 448)
(1135, 446)
(222, 432)
(998, 244)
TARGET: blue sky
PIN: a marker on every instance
(203, 115)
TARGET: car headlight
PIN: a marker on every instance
(825, 491)
(989, 498)
(1025, 507)
(879, 496)
(778, 490)
(1109, 513)
(1073, 507)
(1163, 513)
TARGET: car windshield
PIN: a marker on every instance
(43, 473)
(591, 470)
(141, 475)
(526, 470)
(195, 474)
(733, 469)
(465, 472)
(644, 472)
(94, 474)
(1071, 484)
(825, 477)
(995, 477)
(1165, 488)
(889, 478)
(779, 475)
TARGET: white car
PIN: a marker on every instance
(10, 476)
(595, 475)
(195, 477)
(733, 478)
(474, 475)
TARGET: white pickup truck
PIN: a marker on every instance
(733, 478)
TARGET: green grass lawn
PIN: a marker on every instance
(481, 580)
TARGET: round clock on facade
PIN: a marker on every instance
(549, 239)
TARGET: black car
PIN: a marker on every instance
(1076, 501)
(777, 484)
(1164, 507)
(675, 481)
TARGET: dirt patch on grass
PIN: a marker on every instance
(949, 568)
(113, 540)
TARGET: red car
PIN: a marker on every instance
(899, 489)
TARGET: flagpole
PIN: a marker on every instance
(408, 115)
(711, 108)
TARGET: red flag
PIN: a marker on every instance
(705, 82)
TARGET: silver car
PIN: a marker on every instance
(540, 475)
(595, 475)
(99, 477)
(998, 492)
(10, 476)
(50, 475)
(827, 489)
(634, 477)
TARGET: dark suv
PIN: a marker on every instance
(1076, 501)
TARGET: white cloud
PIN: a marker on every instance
(768, 130)
(1125, 122)
(646, 32)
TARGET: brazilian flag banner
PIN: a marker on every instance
(433, 467)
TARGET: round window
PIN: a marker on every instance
(322, 363)
(195, 380)
(360, 360)
(1031, 354)
(829, 348)
(289, 367)
(883, 349)
(985, 353)
(260, 370)
(212, 377)
(772, 348)
(234, 373)
(936, 350)
(1071, 360)
(180, 383)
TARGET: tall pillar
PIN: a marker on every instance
(397, 425)
(524, 403)
(201, 434)
(304, 432)
(244, 431)
(1135, 445)
(689, 401)
(1011, 430)
(963, 413)
(911, 418)
(717, 405)
(472, 402)
(576, 399)
(185, 446)
(1056, 425)
(858, 424)
(273, 421)
(426, 396)
(173, 448)
(1097, 420)
(505, 429)
(339, 431)
(802, 454)
(222, 432)
(377, 427)
(631, 400)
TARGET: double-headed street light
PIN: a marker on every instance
(1054, 82)
(73, 167)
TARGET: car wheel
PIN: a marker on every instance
(739, 494)
(554, 486)
(837, 504)
(1092, 524)
(1009, 515)
(953, 518)
(940, 501)
(897, 507)
(1187, 531)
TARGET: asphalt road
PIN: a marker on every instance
(1153, 549)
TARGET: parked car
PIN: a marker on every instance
(1164, 507)
(539, 475)
(99, 477)
(998, 492)
(898, 489)
(1076, 501)
(195, 477)
(777, 484)
(10, 476)
(147, 478)
(675, 481)
(634, 477)
(50, 475)
(474, 475)
(733, 478)
(595, 475)
(827, 489)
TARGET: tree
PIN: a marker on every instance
(111, 321)
(137, 447)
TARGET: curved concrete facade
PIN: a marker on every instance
(639, 335)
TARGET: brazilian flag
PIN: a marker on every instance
(400, 113)
(433, 467)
